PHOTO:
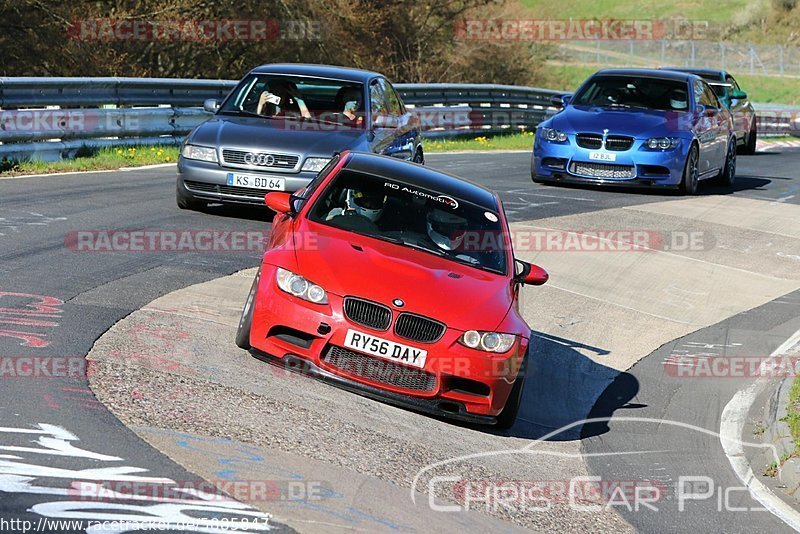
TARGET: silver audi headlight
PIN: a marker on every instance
(315, 164)
(487, 341)
(296, 285)
(202, 153)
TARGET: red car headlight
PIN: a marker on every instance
(487, 341)
(296, 285)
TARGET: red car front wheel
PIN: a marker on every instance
(508, 416)
(246, 320)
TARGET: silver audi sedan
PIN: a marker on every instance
(282, 124)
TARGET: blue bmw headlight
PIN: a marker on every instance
(662, 143)
(554, 136)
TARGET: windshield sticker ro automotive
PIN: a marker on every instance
(444, 199)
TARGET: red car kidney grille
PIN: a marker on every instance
(367, 313)
(418, 328)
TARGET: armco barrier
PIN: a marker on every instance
(54, 118)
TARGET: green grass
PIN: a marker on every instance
(710, 10)
(770, 89)
(761, 89)
(793, 413)
(106, 158)
(518, 141)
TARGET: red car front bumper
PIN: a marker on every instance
(455, 382)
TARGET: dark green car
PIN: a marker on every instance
(729, 93)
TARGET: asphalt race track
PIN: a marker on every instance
(56, 301)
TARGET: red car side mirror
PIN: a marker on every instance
(531, 274)
(279, 202)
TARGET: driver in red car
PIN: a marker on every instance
(366, 204)
(450, 232)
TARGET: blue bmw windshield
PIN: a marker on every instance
(634, 92)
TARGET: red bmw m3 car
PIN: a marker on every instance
(397, 282)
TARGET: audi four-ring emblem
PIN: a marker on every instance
(262, 160)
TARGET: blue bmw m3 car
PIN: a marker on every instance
(638, 127)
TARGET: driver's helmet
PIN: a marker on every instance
(366, 204)
(678, 100)
(446, 229)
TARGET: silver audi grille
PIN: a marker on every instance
(368, 313)
(602, 170)
(379, 370)
(418, 328)
(267, 160)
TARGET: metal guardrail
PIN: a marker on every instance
(92, 92)
(54, 118)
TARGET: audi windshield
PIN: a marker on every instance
(298, 97)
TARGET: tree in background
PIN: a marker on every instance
(409, 41)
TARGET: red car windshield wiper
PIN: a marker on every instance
(404, 243)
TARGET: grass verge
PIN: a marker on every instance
(793, 413)
(643, 9)
(102, 159)
(518, 141)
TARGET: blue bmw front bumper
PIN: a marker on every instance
(637, 166)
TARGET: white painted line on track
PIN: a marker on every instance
(460, 152)
(532, 193)
(618, 305)
(641, 248)
(145, 167)
(123, 169)
(16, 176)
(730, 433)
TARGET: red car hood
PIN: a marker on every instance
(460, 296)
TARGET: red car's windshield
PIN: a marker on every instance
(429, 221)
